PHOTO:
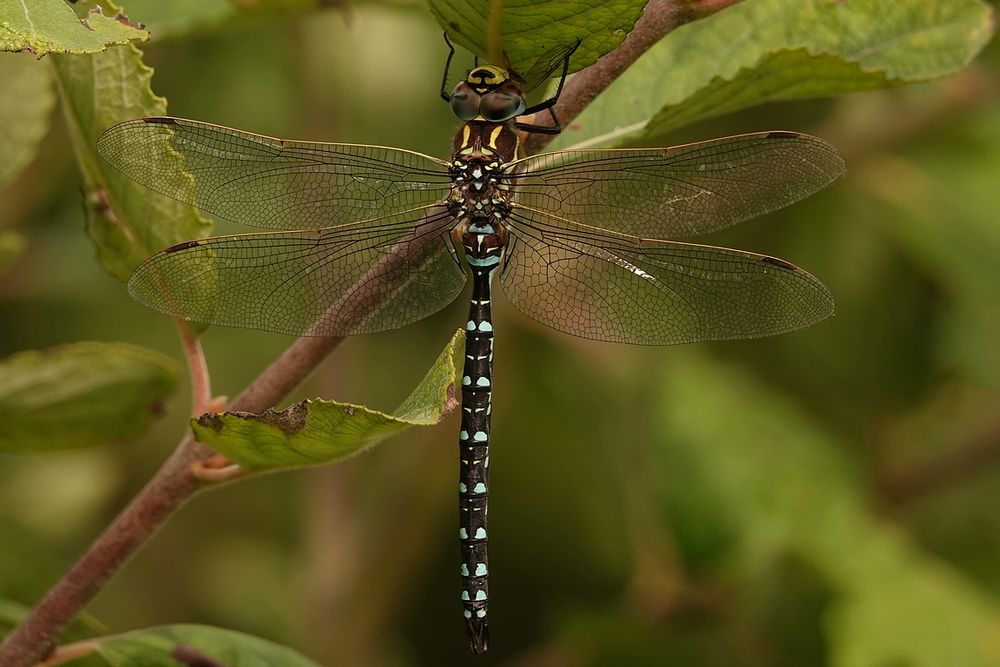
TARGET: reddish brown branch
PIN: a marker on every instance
(201, 383)
(659, 18)
(169, 488)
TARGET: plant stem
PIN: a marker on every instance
(201, 382)
(71, 652)
(169, 488)
(659, 18)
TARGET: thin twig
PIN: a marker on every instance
(71, 652)
(201, 382)
(659, 18)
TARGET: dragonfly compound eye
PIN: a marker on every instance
(465, 102)
(500, 106)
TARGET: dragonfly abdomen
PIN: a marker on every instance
(474, 454)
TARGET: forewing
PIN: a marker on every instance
(547, 65)
(324, 283)
(670, 193)
(271, 183)
(656, 292)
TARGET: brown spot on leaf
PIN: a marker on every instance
(211, 421)
(290, 420)
(124, 20)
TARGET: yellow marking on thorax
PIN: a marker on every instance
(465, 136)
(494, 135)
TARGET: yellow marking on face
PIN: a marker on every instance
(494, 135)
(481, 75)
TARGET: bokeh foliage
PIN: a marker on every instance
(826, 497)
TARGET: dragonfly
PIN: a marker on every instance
(365, 238)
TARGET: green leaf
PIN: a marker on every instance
(11, 245)
(154, 647)
(126, 222)
(785, 486)
(318, 432)
(25, 107)
(529, 29)
(45, 26)
(180, 17)
(771, 50)
(81, 395)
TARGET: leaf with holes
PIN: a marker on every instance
(317, 432)
(42, 27)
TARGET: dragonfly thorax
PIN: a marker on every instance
(480, 203)
(480, 198)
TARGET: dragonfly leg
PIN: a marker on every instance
(447, 65)
(554, 128)
(551, 102)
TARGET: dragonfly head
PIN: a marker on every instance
(488, 94)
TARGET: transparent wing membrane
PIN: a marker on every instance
(546, 66)
(670, 193)
(653, 292)
(271, 183)
(328, 283)
(363, 241)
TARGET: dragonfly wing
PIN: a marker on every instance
(655, 292)
(267, 182)
(670, 193)
(546, 65)
(325, 283)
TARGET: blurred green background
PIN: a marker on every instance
(830, 496)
